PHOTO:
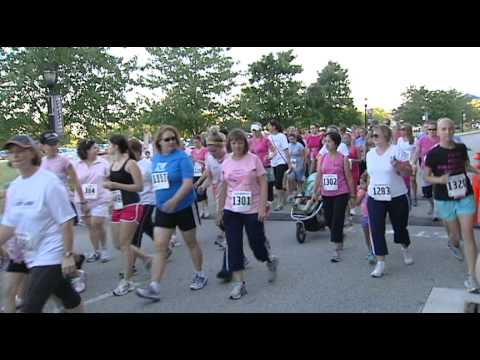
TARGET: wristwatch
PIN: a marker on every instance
(68, 254)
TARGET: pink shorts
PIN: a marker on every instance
(131, 213)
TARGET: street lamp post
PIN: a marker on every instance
(464, 116)
(366, 121)
(50, 77)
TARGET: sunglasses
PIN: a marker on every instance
(375, 136)
(433, 129)
(173, 138)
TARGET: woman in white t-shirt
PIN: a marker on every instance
(406, 142)
(280, 161)
(39, 215)
(387, 192)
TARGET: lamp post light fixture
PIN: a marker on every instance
(366, 121)
(50, 77)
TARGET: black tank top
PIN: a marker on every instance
(123, 177)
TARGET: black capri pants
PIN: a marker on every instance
(279, 172)
(234, 224)
(334, 208)
(45, 281)
(398, 209)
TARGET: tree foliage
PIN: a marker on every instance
(196, 82)
(272, 92)
(329, 99)
(92, 82)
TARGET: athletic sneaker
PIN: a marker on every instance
(471, 284)
(198, 282)
(148, 292)
(278, 208)
(169, 252)
(105, 256)
(456, 251)
(379, 270)
(206, 214)
(18, 302)
(79, 282)
(238, 291)
(407, 257)
(174, 242)
(95, 256)
(123, 288)
(336, 257)
(371, 259)
(272, 266)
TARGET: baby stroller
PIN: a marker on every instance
(306, 212)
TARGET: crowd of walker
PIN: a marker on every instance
(156, 188)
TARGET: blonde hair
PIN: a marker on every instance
(409, 131)
(161, 131)
(215, 137)
(386, 131)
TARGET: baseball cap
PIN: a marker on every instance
(23, 141)
(256, 127)
(49, 138)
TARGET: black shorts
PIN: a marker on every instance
(186, 219)
(200, 196)
(14, 267)
(45, 281)
(427, 191)
(75, 219)
(279, 171)
(145, 226)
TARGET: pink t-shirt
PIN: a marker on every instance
(260, 148)
(199, 155)
(243, 188)
(59, 166)
(95, 174)
(331, 168)
(425, 144)
(314, 144)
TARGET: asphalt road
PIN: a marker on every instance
(307, 280)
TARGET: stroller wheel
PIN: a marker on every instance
(301, 233)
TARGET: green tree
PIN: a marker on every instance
(437, 103)
(380, 115)
(272, 92)
(92, 82)
(329, 99)
(196, 82)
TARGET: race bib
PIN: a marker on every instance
(117, 200)
(381, 192)
(160, 181)
(457, 186)
(197, 169)
(330, 182)
(90, 191)
(241, 201)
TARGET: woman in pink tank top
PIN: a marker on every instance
(335, 184)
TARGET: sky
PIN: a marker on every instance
(379, 74)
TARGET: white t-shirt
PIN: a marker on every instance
(215, 168)
(381, 171)
(407, 147)
(342, 149)
(280, 144)
(37, 208)
(146, 196)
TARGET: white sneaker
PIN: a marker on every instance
(105, 256)
(407, 257)
(471, 284)
(123, 288)
(206, 214)
(379, 270)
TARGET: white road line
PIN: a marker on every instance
(105, 296)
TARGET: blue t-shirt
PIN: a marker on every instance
(296, 152)
(360, 141)
(178, 166)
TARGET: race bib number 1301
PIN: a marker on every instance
(241, 201)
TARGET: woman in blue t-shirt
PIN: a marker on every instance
(172, 180)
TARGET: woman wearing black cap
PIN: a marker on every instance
(38, 214)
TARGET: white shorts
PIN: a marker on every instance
(97, 211)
